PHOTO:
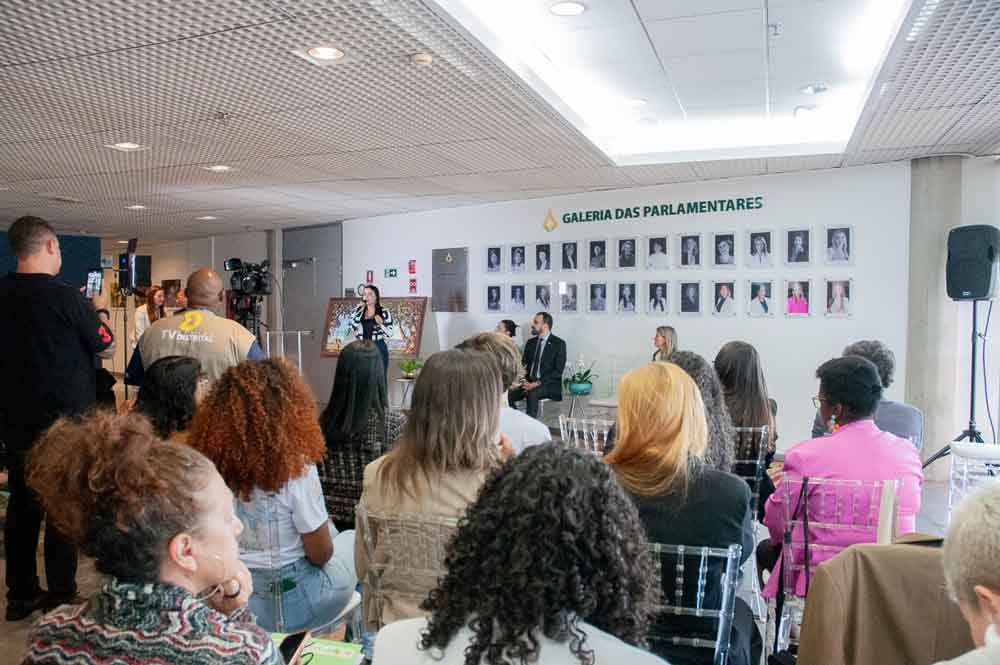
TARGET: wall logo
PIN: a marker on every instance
(192, 319)
(550, 222)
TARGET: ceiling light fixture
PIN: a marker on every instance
(206, 218)
(568, 8)
(136, 207)
(218, 168)
(636, 102)
(816, 88)
(422, 59)
(804, 111)
(125, 146)
(123, 242)
(923, 17)
(326, 53)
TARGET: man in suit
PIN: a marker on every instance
(544, 359)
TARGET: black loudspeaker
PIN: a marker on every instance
(971, 273)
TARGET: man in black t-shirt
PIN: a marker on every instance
(49, 337)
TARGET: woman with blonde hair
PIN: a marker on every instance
(665, 342)
(448, 446)
(662, 436)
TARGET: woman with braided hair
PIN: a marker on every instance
(259, 426)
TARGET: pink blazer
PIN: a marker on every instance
(857, 451)
(798, 306)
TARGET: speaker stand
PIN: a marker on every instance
(972, 435)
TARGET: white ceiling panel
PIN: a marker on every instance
(710, 33)
(658, 10)
(810, 163)
(730, 168)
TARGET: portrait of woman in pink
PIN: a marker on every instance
(798, 298)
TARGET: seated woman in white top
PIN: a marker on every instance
(259, 426)
(147, 314)
(550, 566)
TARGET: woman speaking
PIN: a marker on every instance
(371, 321)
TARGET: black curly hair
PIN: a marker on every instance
(551, 541)
(167, 396)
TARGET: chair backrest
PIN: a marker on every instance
(971, 465)
(590, 434)
(404, 556)
(840, 513)
(687, 576)
(260, 549)
(753, 440)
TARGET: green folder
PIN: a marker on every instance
(327, 652)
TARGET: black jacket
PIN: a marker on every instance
(551, 367)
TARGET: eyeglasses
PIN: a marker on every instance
(817, 401)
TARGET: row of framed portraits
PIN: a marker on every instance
(724, 249)
(758, 298)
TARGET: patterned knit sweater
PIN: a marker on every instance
(147, 623)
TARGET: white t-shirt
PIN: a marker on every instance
(296, 508)
(522, 429)
(398, 643)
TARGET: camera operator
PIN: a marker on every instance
(196, 332)
(50, 337)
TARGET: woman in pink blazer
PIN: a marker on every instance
(849, 392)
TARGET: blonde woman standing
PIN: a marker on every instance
(665, 343)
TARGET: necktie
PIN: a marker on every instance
(763, 303)
(538, 359)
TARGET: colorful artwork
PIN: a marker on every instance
(408, 326)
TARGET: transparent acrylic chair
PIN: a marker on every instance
(971, 465)
(750, 465)
(692, 606)
(585, 433)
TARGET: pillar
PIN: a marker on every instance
(275, 257)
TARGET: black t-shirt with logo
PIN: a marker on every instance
(49, 338)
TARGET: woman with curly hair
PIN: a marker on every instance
(170, 394)
(259, 426)
(662, 434)
(549, 565)
(435, 470)
(719, 452)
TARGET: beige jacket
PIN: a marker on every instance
(444, 500)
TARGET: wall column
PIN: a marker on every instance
(275, 256)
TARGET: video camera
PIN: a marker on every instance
(252, 279)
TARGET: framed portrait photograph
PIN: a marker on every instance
(724, 298)
(656, 253)
(569, 301)
(597, 297)
(569, 256)
(543, 256)
(626, 296)
(759, 252)
(494, 259)
(689, 298)
(515, 303)
(597, 254)
(543, 296)
(657, 300)
(518, 254)
(797, 297)
(838, 297)
(724, 249)
(494, 298)
(627, 249)
(689, 250)
(839, 245)
(761, 302)
(797, 247)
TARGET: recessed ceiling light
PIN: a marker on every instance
(206, 218)
(218, 168)
(123, 242)
(636, 101)
(804, 111)
(125, 146)
(136, 207)
(816, 88)
(568, 8)
(325, 53)
(422, 59)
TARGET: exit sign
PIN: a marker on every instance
(391, 272)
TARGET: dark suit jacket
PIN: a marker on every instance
(551, 366)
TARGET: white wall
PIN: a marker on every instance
(874, 199)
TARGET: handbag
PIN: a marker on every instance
(785, 656)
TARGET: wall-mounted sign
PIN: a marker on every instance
(450, 280)
(391, 272)
(370, 276)
(739, 204)
(413, 285)
(413, 266)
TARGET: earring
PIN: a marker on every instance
(832, 426)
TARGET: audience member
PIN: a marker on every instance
(218, 343)
(903, 420)
(182, 302)
(170, 395)
(849, 391)
(521, 430)
(149, 312)
(435, 470)
(665, 343)
(158, 520)
(544, 360)
(662, 434)
(51, 335)
(259, 426)
(740, 373)
(359, 427)
(550, 565)
(719, 454)
(971, 549)
(507, 327)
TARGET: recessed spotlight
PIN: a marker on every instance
(125, 146)
(816, 88)
(568, 8)
(206, 218)
(422, 59)
(218, 168)
(804, 111)
(325, 53)
(636, 101)
(136, 207)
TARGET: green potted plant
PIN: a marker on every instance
(581, 382)
(410, 367)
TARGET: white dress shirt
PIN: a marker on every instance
(521, 429)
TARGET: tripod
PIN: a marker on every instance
(971, 434)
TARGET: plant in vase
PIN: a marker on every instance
(410, 367)
(581, 381)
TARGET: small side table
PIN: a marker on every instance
(407, 386)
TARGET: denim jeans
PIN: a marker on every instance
(318, 595)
